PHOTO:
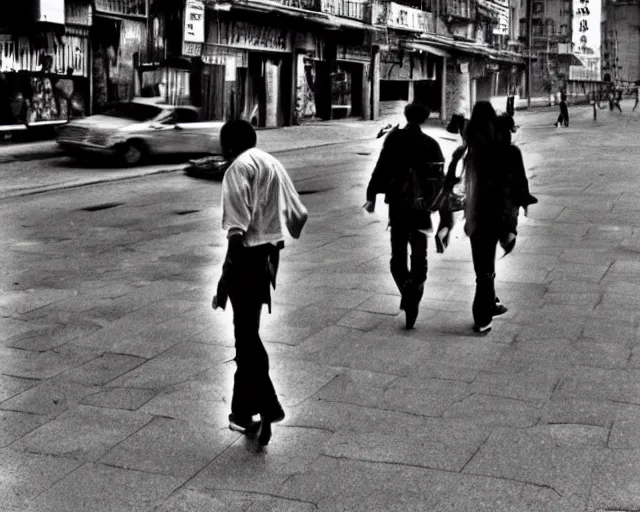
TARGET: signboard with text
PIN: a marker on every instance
(244, 34)
(399, 16)
(50, 11)
(194, 21)
(586, 34)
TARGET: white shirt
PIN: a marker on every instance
(259, 200)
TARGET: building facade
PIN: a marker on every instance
(272, 62)
(621, 42)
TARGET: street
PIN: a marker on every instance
(116, 374)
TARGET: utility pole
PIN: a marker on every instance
(529, 50)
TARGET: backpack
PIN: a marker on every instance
(422, 187)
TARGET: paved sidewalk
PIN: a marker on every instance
(115, 375)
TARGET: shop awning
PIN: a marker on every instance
(428, 48)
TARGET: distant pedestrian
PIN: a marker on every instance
(410, 173)
(563, 118)
(635, 93)
(259, 202)
(485, 182)
(516, 193)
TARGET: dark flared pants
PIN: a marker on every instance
(253, 391)
(483, 251)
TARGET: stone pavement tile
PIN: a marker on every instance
(444, 445)
(14, 328)
(625, 432)
(494, 411)
(359, 486)
(575, 286)
(562, 460)
(83, 432)
(191, 500)
(616, 480)
(12, 386)
(362, 320)
(243, 467)
(620, 301)
(618, 233)
(549, 212)
(587, 256)
(381, 303)
(20, 302)
(521, 275)
(41, 365)
(601, 384)
(311, 316)
(275, 332)
(422, 397)
(599, 354)
(147, 343)
(119, 398)
(382, 284)
(338, 416)
(51, 397)
(623, 288)
(14, 425)
(586, 300)
(611, 332)
(550, 322)
(579, 411)
(177, 364)
(101, 488)
(102, 369)
(170, 447)
(572, 271)
(550, 352)
(24, 476)
(535, 385)
(296, 381)
(200, 409)
(54, 335)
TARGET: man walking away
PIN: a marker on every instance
(258, 201)
(409, 155)
(563, 118)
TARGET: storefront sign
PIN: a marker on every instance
(502, 28)
(194, 21)
(191, 49)
(399, 16)
(309, 5)
(349, 52)
(217, 55)
(50, 11)
(586, 34)
(79, 14)
(243, 34)
(230, 69)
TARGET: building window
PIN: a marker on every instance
(564, 30)
(537, 30)
(538, 7)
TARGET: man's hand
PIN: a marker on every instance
(370, 206)
(220, 298)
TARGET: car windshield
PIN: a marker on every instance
(133, 111)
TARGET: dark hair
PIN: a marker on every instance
(481, 128)
(237, 136)
(416, 113)
(505, 126)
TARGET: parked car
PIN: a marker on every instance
(134, 130)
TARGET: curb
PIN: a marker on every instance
(181, 167)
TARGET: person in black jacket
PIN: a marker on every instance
(404, 152)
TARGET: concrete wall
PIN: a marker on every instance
(458, 93)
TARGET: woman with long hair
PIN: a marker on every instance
(484, 184)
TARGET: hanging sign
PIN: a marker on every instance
(230, 69)
(194, 21)
(50, 11)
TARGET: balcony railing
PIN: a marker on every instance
(394, 15)
(354, 9)
(307, 5)
(121, 7)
